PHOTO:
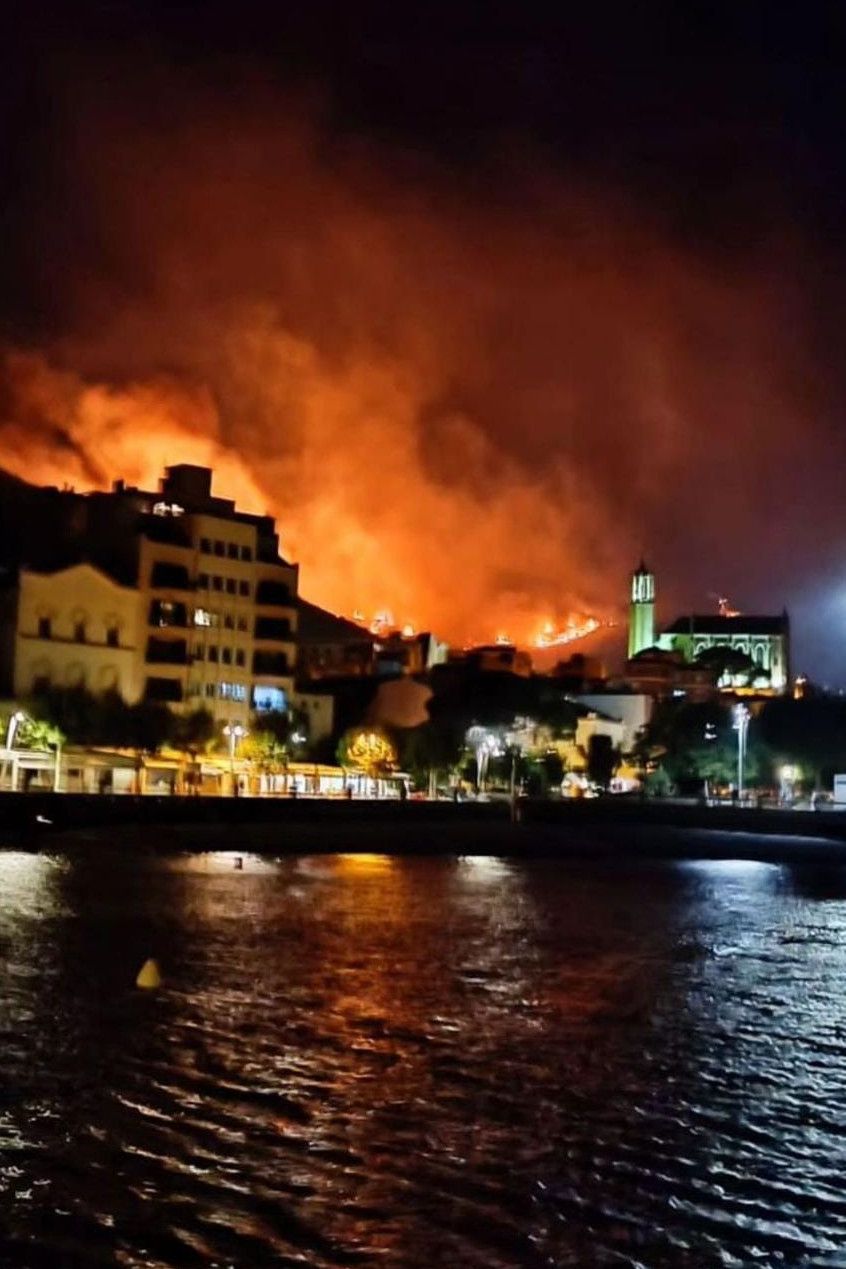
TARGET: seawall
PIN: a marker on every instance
(609, 828)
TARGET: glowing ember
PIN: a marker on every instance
(575, 628)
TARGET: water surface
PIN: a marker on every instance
(420, 1062)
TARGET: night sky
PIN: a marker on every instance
(482, 304)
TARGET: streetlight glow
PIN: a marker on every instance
(741, 726)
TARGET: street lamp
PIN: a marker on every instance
(233, 732)
(741, 726)
(14, 722)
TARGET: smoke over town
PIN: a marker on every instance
(471, 400)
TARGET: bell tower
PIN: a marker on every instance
(642, 610)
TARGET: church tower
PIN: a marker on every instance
(642, 611)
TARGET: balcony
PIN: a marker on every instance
(275, 628)
(167, 652)
(166, 690)
(166, 613)
(168, 576)
(272, 664)
(273, 594)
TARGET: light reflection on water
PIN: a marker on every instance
(413, 1062)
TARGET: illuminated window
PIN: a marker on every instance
(269, 698)
(232, 691)
(45, 628)
(202, 617)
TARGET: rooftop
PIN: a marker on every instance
(713, 623)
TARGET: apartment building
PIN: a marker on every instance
(174, 596)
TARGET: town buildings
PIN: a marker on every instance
(172, 596)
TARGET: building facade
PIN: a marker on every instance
(177, 597)
(764, 640)
(76, 627)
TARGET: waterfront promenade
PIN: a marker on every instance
(603, 827)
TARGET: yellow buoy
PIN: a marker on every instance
(149, 975)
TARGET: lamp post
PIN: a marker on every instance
(14, 722)
(741, 726)
(233, 732)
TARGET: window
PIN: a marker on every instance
(239, 656)
(219, 547)
(170, 576)
(226, 656)
(217, 582)
(164, 612)
(232, 691)
(242, 623)
(230, 586)
(272, 663)
(213, 652)
(157, 689)
(113, 637)
(243, 588)
(276, 593)
(205, 546)
(79, 631)
(45, 628)
(278, 628)
(269, 698)
(232, 551)
(228, 621)
(167, 651)
(210, 689)
(202, 617)
(246, 553)
(198, 652)
(202, 581)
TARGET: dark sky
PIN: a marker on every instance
(605, 243)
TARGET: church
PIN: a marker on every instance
(762, 642)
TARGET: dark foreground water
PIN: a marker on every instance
(358, 1061)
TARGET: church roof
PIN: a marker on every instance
(714, 624)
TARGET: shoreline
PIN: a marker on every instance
(602, 829)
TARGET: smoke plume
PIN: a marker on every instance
(471, 399)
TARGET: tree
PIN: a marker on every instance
(367, 749)
(34, 734)
(195, 730)
(810, 732)
(602, 759)
(429, 749)
(265, 751)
